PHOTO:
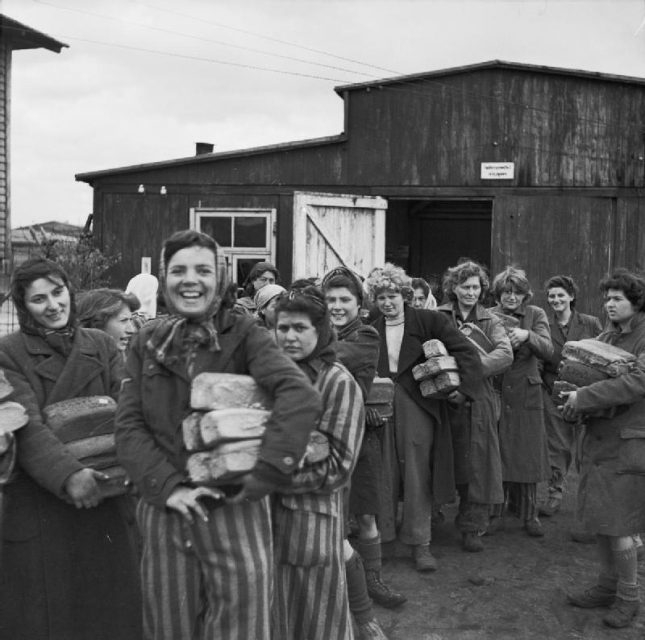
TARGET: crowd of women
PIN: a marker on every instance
(292, 549)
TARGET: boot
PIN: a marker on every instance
(370, 630)
(423, 559)
(551, 506)
(534, 528)
(381, 593)
(622, 613)
(470, 541)
(596, 596)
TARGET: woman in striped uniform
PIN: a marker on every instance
(311, 593)
(207, 561)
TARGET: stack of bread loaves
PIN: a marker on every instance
(587, 361)
(86, 427)
(381, 397)
(224, 432)
(439, 374)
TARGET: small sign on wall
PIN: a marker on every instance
(146, 265)
(497, 170)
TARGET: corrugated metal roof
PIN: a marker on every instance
(23, 37)
(206, 157)
(491, 64)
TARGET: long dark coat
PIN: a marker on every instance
(477, 459)
(420, 326)
(67, 573)
(522, 434)
(612, 478)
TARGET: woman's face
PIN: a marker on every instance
(48, 302)
(120, 327)
(559, 299)
(419, 298)
(511, 300)
(267, 277)
(390, 303)
(296, 335)
(191, 281)
(468, 292)
(343, 306)
(619, 308)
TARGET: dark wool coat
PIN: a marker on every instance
(612, 478)
(66, 572)
(475, 428)
(581, 326)
(156, 398)
(522, 433)
(420, 326)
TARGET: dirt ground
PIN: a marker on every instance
(514, 590)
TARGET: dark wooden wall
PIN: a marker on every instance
(563, 131)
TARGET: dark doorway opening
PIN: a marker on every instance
(428, 236)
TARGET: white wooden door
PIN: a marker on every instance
(332, 230)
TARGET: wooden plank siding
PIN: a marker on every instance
(560, 131)
(5, 193)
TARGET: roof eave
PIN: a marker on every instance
(90, 176)
(21, 36)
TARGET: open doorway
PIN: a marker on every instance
(428, 236)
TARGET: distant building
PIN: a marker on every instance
(29, 241)
(13, 36)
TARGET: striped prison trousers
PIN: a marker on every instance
(207, 580)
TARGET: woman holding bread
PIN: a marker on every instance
(417, 447)
(207, 566)
(522, 435)
(565, 323)
(311, 599)
(612, 477)
(69, 563)
(474, 427)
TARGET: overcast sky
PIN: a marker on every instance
(143, 80)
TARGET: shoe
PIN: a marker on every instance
(582, 536)
(470, 541)
(534, 528)
(381, 593)
(423, 559)
(495, 525)
(550, 507)
(622, 613)
(370, 630)
(597, 596)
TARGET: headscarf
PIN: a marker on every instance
(267, 293)
(145, 286)
(58, 339)
(186, 334)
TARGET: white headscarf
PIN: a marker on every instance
(144, 286)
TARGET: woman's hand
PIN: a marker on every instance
(570, 407)
(83, 489)
(186, 501)
(518, 337)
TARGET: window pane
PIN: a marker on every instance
(250, 231)
(218, 227)
(244, 266)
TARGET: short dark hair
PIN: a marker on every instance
(346, 282)
(96, 307)
(308, 300)
(563, 282)
(630, 283)
(256, 271)
(512, 278)
(183, 239)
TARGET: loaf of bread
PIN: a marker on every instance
(579, 374)
(206, 430)
(231, 460)
(508, 322)
(382, 390)
(559, 388)
(117, 482)
(227, 391)
(96, 452)
(434, 348)
(606, 358)
(5, 386)
(476, 337)
(79, 418)
(441, 385)
(433, 367)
